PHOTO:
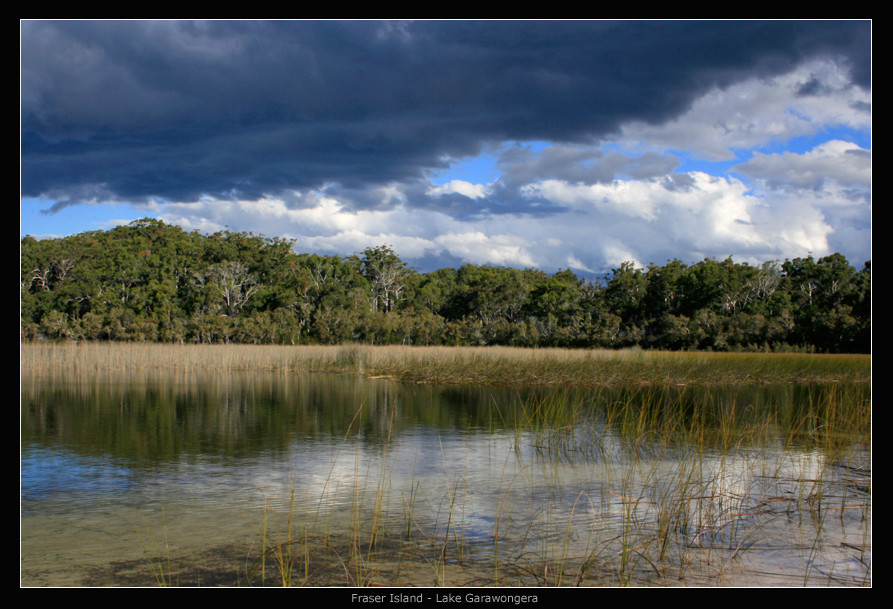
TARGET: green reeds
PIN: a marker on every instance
(288, 549)
(163, 569)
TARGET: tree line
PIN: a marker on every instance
(149, 281)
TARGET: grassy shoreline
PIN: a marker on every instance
(454, 365)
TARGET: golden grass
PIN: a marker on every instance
(454, 365)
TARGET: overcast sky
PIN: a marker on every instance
(546, 144)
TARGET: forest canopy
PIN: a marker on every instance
(149, 281)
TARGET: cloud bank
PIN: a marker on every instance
(338, 133)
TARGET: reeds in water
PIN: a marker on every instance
(637, 486)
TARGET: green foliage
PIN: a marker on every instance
(148, 281)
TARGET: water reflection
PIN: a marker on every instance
(492, 471)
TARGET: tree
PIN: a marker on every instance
(232, 283)
(556, 304)
(386, 274)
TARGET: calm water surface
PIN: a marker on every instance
(184, 479)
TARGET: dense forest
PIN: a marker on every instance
(149, 281)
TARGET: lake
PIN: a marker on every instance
(327, 479)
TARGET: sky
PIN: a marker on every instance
(530, 144)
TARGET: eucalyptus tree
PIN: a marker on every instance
(386, 274)
(231, 283)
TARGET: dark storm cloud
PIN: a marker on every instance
(177, 110)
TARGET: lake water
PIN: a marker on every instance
(186, 479)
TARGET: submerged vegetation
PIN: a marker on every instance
(152, 282)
